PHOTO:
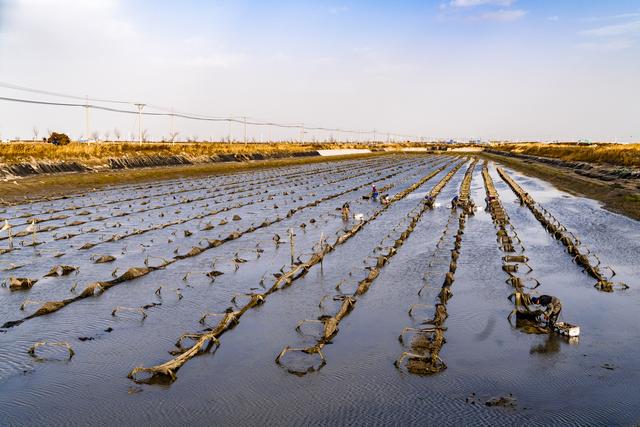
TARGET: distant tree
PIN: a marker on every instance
(117, 134)
(173, 136)
(145, 135)
(36, 131)
(107, 134)
(95, 135)
(58, 139)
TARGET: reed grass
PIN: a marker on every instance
(98, 153)
(624, 155)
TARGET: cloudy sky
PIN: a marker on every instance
(493, 69)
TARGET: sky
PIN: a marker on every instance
(460, 69)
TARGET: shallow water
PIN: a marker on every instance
(552, 380)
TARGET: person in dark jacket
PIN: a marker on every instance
(552, 308)
(454, 202)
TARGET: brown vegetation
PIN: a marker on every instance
(58, 139)
(98, 153)
(627, 155)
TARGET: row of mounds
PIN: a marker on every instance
(204, 341)
(115, 237)
(512, 261)
(574, 247)
(382, 254)
(423, 356)
(135, 272)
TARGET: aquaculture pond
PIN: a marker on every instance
(290, 296)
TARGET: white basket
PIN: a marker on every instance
(567, 329)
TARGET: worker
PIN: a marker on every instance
(384, 199)
(429, 200)
(454, 202)
(374, 192)
(552, 308)
(346, 212)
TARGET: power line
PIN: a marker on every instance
(166, 112)
(61, 95)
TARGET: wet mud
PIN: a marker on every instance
(247, 298)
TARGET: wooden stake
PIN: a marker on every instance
(292, 244)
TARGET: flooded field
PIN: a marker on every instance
(247, 298)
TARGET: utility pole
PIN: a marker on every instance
(301, 132)
(245, 129)
(86, 118)
(374, 136)
(172, 135)
(140, 107)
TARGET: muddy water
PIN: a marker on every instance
(553, 381)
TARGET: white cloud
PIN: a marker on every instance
(489, 10)
(338, 9)
(612, 17)
(607, 46)
(614, 30)
(502, 15)
(553, 18)
(614, 37)
(473, 3)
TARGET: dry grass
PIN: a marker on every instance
(627, 155)
(97, 153)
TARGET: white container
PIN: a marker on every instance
(567, 329)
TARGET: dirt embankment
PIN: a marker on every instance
(40, 167)
(607, 154)
(604, 172)
(618, 188)
(21, 159)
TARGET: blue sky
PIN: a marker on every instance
(500, 69)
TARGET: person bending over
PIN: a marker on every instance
(552, 306)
